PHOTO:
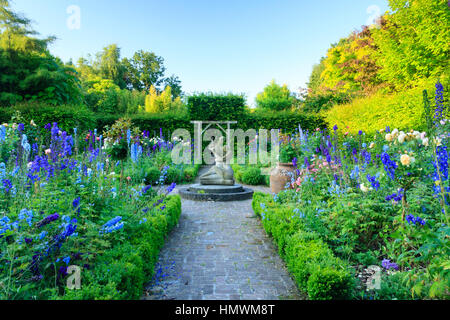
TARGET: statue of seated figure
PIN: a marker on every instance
(221, 173)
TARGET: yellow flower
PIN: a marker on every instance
(372, 145)
(405, 160)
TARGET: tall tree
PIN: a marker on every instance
(110, 65)
(144, 70)
(27, 70)
(413, 41)
(175, 84)
(275, 97)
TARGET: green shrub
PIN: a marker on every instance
(393, 287)
(152, 176)
(216, 107)
(304, 252)
(120, 273)
(252, 176)
(67, 116)
(403, 110)
(190, 173)
(329, 284)
(173, 175)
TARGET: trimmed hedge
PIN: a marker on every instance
(317, 271)
(402, 110)
(69, 117)
(250, 175)
(120, 273)
(216, 107)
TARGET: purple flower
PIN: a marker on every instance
(335, 127)
(387, 264)
(48, 220)
(21, 127)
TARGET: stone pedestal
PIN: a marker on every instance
(199, 192)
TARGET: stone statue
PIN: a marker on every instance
(221, 173)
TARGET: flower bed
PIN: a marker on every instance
(81, 201)
(369, 200)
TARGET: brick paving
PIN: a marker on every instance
(220, 251)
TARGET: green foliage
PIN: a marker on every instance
(163, 102)
(28, 72)
(413, 42)
(403, 110)
(152, 176)
(252, 176)
(119, 151)
(275, 97)
(67, 116)
(329, 284)
(315, 103)
(190, 173)
(143, 70)
(216, 107)
(312, 263)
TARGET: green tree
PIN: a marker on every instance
(175, 84)
(161, 102)
(144, 70)
(413, 41)
(275, 97)
(27, 69)
(110, 66)
(315, 79)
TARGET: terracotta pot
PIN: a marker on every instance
(279, 177)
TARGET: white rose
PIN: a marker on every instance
(363, 188)
(388, 137)
(401, 137)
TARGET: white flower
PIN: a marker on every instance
(425, 142)
(363, 188)
(423, 135)
(395, 132)
(401, 137)
(389, 137)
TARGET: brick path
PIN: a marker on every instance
(220, 251)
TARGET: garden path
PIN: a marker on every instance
(220, 251)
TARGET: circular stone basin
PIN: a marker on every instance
(200, 192)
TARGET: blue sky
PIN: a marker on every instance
(222, 46)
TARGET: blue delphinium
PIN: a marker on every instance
(389, 165)
(396, 196)
(439, 99)
(112, 225)
(373, 181)
(2, 133)
(415, 220)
